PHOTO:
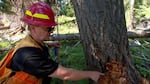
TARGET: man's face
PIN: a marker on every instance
(43, 33)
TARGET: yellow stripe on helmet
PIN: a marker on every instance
(36, 15)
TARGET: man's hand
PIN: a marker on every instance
(53, 43)
(96, 75)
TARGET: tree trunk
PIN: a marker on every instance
(103, 33)
(131, 14)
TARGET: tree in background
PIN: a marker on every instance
(103, 33)
(5, 7)
(66, 8)
(137, 13)
(142, 13)
(132, 2)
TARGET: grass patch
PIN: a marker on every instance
(4, 45)
(71, 56)
(141, 57)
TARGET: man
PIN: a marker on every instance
(31, 61)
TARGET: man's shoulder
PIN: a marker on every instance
(25, 51)
(27, 42)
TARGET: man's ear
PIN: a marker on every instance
(32, 27)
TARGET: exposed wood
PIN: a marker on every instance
(115, 74)
(131, 34)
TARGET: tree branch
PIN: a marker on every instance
(131, 34)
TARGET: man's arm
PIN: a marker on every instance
(72, 74)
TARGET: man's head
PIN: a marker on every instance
(40, 18)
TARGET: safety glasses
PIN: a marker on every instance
(50, 29)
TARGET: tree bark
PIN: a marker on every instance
(103, 33)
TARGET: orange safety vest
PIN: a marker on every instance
(20, 77)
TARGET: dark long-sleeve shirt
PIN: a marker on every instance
(34, 61)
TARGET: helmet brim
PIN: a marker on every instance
(37, 23)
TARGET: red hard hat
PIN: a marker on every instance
(39, 14)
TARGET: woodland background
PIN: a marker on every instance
(137, 21)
